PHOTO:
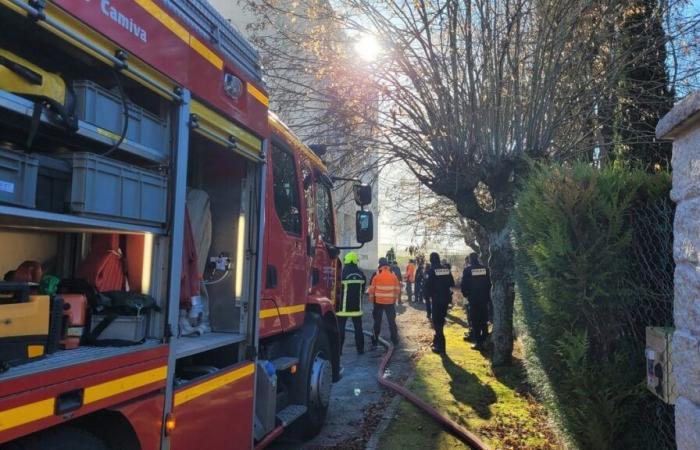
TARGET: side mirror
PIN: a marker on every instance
(363, 194)
(364, 226)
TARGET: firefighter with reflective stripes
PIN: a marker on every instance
(384, 291)
(350, 305)
(439, 288)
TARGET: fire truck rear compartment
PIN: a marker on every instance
(225, 179)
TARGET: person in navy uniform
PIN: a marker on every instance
(438, 287)
(476, 288)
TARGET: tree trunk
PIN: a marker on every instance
(482, 238)
(501, 266)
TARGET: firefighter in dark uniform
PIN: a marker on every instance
(476, 288)
(438, 287)
(350, 305)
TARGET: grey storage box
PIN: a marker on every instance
(123, 328)
(102, 108)
(18, 174)
(53, 184)
(106, 188)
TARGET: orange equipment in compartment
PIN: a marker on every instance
(24, 327)
(28, 272)
(74, 317)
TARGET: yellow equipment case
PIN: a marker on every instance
(24, 324)
(19, 76)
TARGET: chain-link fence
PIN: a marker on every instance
(651, 282)
(594, 270)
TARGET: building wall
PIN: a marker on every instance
(682, 125)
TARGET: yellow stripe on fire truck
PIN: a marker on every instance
(283, 311)
(31, 412)
(208, 386)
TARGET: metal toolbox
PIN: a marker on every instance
(123, 328)
(18, 173)
(105, 110)
(112, 189)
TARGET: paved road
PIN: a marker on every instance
(357, 401)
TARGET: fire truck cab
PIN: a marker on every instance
(168, 245)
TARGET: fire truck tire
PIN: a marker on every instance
(61, 438)
(316, 376)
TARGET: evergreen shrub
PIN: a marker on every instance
(587, 252)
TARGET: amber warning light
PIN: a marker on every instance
(169, 423)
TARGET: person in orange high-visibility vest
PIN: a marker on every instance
(384, 291)
(410, 278)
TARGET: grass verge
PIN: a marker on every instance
(495, 404)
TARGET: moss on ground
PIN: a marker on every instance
(493, 404)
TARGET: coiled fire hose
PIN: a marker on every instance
(445, 422)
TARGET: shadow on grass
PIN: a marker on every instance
(466, 388)
(457, 320)
(513, 376)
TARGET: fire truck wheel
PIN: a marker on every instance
(317, 371)
(61, 438)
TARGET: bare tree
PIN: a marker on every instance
(430, 218)
(465, 93)
(474, 88)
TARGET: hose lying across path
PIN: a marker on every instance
(448, 424)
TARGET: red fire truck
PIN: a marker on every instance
(168, 243)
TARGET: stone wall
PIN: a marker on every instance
(682, 124)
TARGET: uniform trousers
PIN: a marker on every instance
(390, 311)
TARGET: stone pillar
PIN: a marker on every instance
(682, 124)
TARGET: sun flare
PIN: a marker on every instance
(367, 47)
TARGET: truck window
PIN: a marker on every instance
(285, 188)
(325, 212)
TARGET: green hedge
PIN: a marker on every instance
(585, 239)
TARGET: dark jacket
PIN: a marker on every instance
(476, 284)
(419, 275)
(438, 284)
(350, 303)
(397, 271)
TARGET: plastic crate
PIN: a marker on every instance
(53, 184)
(123, 328)
(18, 173)
(112, 189)
(102, 108)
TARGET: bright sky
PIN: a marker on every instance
(391, 233)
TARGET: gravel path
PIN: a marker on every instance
(358, 403)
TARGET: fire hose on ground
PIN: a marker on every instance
(445, 422)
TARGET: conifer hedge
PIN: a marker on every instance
(594, 262)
